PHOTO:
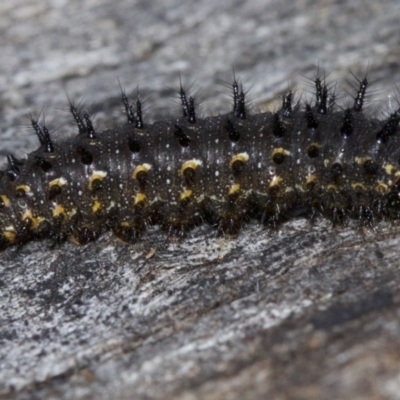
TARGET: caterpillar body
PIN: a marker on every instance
(306, 159)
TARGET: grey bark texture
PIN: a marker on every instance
(301, 312)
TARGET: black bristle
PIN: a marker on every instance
(77, 118)
(91, 134)
(360, 98)
(287, 105)
(192, 111)
(43, 134)
(139, 113)
(38, 129)
(128, 108)
(48, 145)
(235, 90)
(239, 100)
(188, 106)
(13, 170)
(321, 95)
(184, 102)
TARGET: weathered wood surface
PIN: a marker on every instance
(304, 312)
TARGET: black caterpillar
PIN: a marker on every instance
(312, 159)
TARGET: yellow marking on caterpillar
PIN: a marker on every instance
(311, 179)
(186, 194)
(382, 187)
(96, 206)
(57, 182)
(9, 233)
(243, 157)
(36, 221)
(5, 200)
(139, 198)
(276, 180)
(193, 164)
(24, 188)
(326, 162)
(280, 150)
(357, 186)
(331, 186)
(234, 189)
(389, 169)
(362, 160)
(97, 175)
(141, 168)
(58, 210)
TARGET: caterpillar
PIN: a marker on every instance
(309, 158)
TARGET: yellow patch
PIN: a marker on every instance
(276, 180)
(184, 195)
(141, 168)
(280, 150)
(382, 188)
(234, 189)
(36, 221)
(97, 175)
(58, 210)
(96, 206)
(389, 169)
(193, 164)
(57, 182)
(243, 157)
(358, 186)
(9, 234)
(139, 198)
(362, 160)
(311, 179)
(5, 200)
(24, 188)
(331, 186)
